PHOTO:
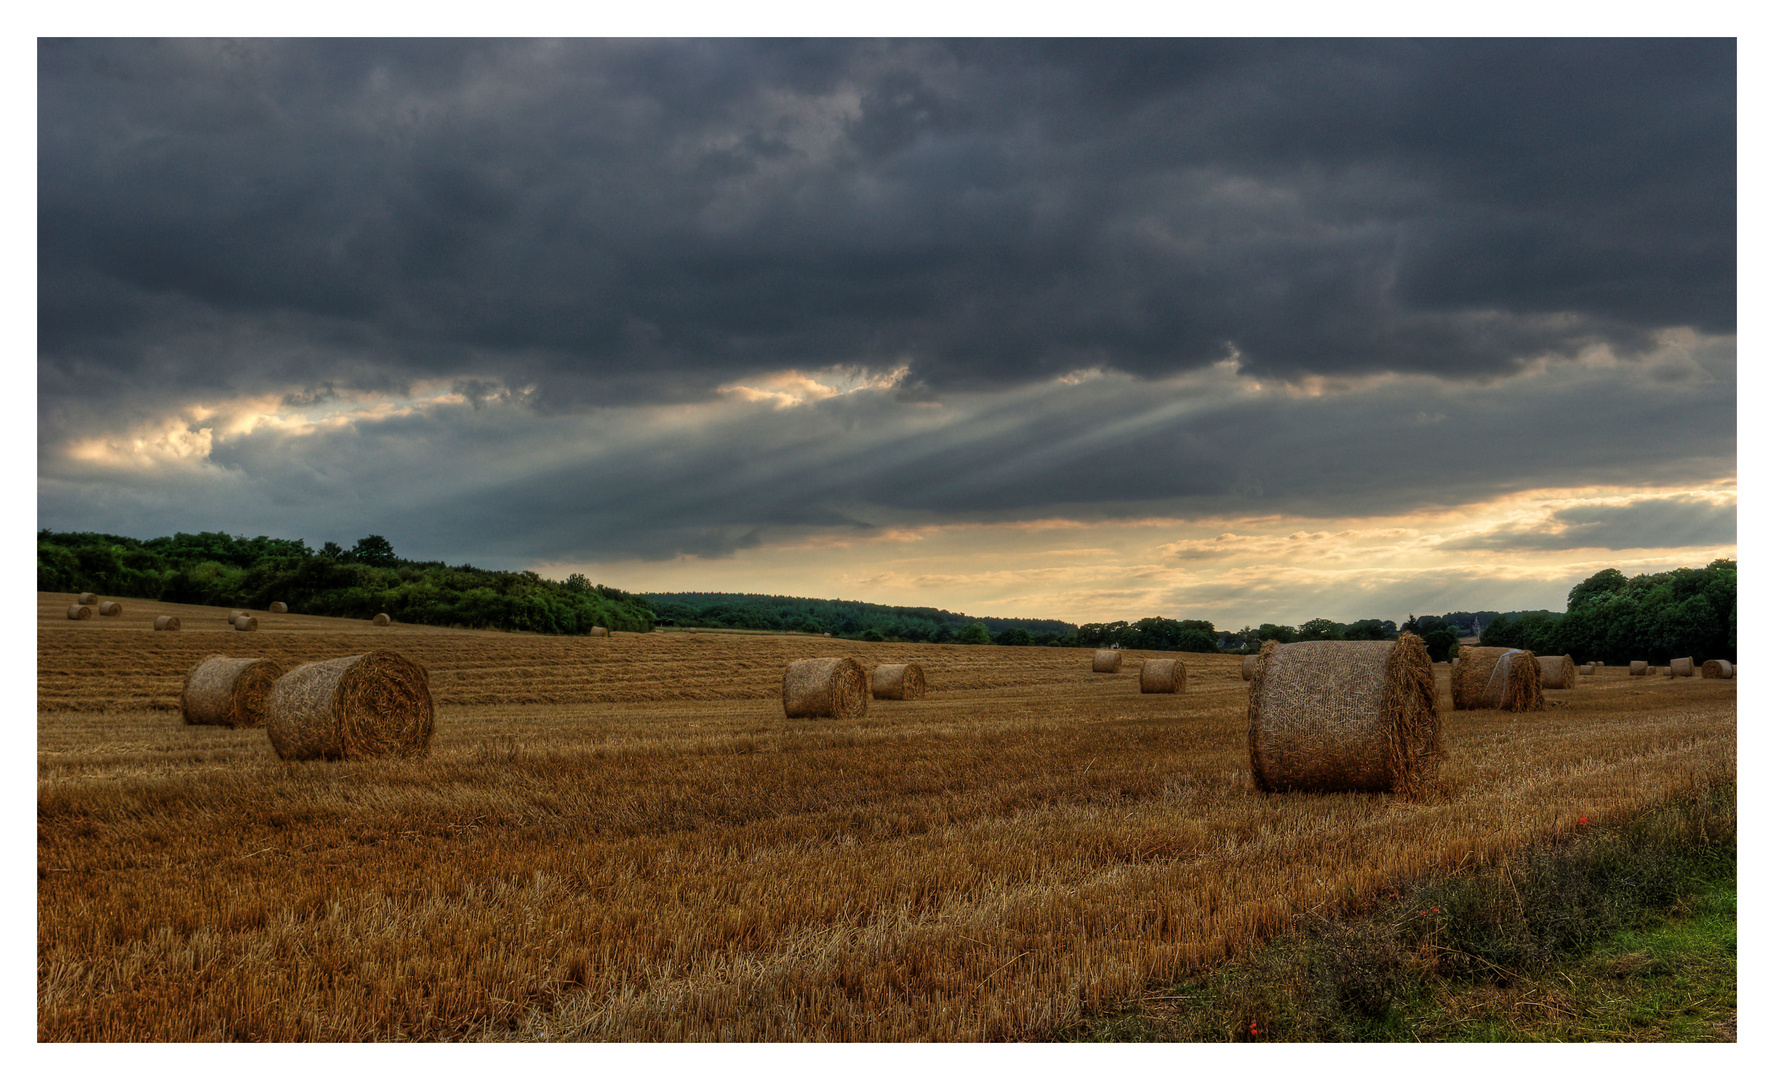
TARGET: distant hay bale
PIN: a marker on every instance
(896, 682)
(1345, 716)
(246, 622)
(374, 705)
(833, 686)
(1717, 669)
(1586, 669)
(1106, 660)
(381, 619)
(1681, 668)
(235, 614)
(598, 631)
(1495, 678)
(1250, 666)
(110, 607)
(90, 599)
(79, 611)
(278, 607)
(1557, 672)
(228, 690)
(1638, 667)
(166, 622)
(1163, 677)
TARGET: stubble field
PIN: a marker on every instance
(624, 839)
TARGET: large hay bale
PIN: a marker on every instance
(89, 599)
(1345, 716)
(1717, 669)
(896, 682)
(1638, 667)
(1557, 672)
(1681, 667)
(598, 631)
(832, 686)
(110, 607)
(1106, 660)
(381, 619)
(374, 705)
(1163, 677)
(246, 622)
(166, 622)
(1586, 669)
(1250, 666)
(79, 611)
(228, 690)
(1495, 678)
(278, 607)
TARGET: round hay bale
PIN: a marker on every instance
(1557, 672)
(1495, 678)
(1586, 669)
(1345, 716)
(1681, 667)
(278, 607)
(79, 611)
(246, 622)
(374, 705)
(110, 607)
(1108, 660)
(1163, 677)
(381, 619)
(1250, 666)
(1638, 667)
(228, 690)
(896, 682)
(832, 686)
(1717, 669)
(166, 622)
(89, 599)
(598, 631)
(235, 614)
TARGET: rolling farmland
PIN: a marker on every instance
(623, 838)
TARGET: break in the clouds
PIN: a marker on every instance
(614, 303)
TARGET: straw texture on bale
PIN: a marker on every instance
(374, 705)
(79, 611)
(1586, 669)
(1163, 677)
(1345, 716)
(1496, 678)
(110, 607)
(833, 686)
(381, 619)
(1681, 667)
(1717, 669)
(228, 690)
(166, 622)
(87, 598)
(1638, 667)
(1250, 666)
(1106, 660)
(278, 607)
(598, 631)
(896, 682)
(1557, 672)
(246, 622)
(234, 615)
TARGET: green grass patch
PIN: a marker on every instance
(1626, 932)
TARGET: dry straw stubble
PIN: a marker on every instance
(1717, 669)
(833, 686)
(1106, 660)
(1163, 677)
(896, 682)
(229, 691)
(1681, 667)
(374, 705)
(1495, 678)
(79, 611)
(166, 622)
(1557, 672)
(1345, 716)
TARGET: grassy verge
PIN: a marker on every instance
(1628, 932)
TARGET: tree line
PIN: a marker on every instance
(1616, 619)
(356, 582)
(850, 619)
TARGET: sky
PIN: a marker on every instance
(1250, 331)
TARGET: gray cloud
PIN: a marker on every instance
(1673, 522)
(617, 221)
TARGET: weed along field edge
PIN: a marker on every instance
(625, 838)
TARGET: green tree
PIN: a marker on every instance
(374, 550)
(974, 634)
(1441, 643)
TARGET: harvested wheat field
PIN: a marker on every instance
(626, 839)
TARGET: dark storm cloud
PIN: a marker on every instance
(1676, 522)
(620, 221)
